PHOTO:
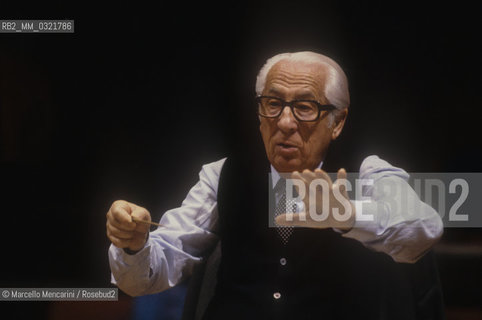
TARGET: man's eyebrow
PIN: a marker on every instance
(275, 91)
(305, 95)
(299, 96)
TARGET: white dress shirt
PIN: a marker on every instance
(173, 250)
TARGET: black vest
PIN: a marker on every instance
(322, 275)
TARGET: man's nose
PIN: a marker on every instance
(287, 121)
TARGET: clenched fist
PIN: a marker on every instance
(122, 230)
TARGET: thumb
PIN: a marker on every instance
(140, 213)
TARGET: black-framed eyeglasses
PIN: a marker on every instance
(303, 110)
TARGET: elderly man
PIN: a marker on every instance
(339, 267)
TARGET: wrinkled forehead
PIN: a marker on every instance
(296, 77)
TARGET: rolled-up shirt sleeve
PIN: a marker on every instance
(172, 251)
(392, 218)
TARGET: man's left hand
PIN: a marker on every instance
(328, 207)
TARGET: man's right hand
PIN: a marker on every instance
(122, 231)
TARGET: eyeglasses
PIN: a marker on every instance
(303, 110)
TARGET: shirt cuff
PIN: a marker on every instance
(130, 259)
(367, 222)
(132, 252)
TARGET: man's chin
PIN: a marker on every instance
(287, 165)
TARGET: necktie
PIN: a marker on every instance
(282, 207)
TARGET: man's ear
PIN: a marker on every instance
(339, 122)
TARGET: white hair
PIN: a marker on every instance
(336, 87)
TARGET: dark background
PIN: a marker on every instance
(135, 101)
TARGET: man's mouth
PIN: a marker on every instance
(287, 144)
(287, 147)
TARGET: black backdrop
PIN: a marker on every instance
(141, 95)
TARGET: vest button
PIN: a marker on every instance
(277, 295)
(282, 261)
